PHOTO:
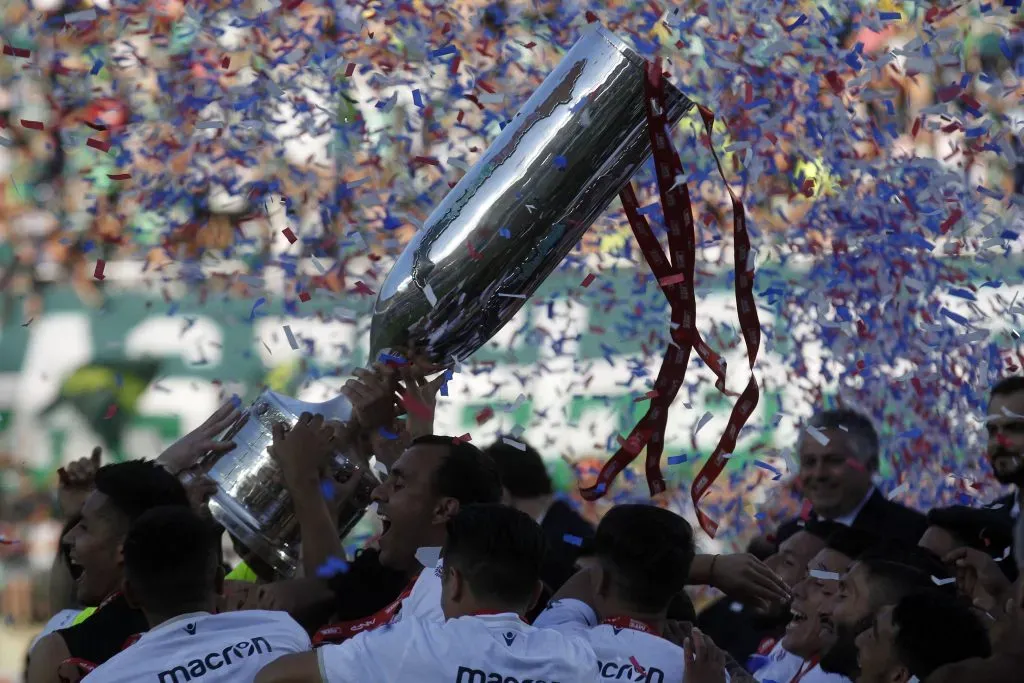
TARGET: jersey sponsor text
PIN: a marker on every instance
(467, 675)
(196, 668)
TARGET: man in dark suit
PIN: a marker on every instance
(838, 453)
(528, 488)
(1005, 451)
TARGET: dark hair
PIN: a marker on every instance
(981, 529)
(931, 632)
(170, 559)
(522, 470)
(857, 426)
(499, 550)
(647, 551)
(466, 474)
(1008, 385)
(898, 570)
(849, 541)
(135, 486)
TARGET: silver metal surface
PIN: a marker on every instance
(251, 501)
(515, 215)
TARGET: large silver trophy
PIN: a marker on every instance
(488, 246)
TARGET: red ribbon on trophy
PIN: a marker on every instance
(676, 279)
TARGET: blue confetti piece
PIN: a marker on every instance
(798, 23)
(391, 358)
(504, 232)
(252, 313)
(96, 66)
(561, 163)
(890, 16)
(444, 52)
(172, 310)
(391, 436)
(676, 459)
(955, 317)
(963, 294)
(1005, 48)
(417, 98)
(236, 400)
(573, 540)
(332, 567)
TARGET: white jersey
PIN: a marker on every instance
(232, 646)
(783, 666)
(61, 619)
(623, 654)
(424, 602)
(473, 649)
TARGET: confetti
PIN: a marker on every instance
(823, 575)
(513, 443)
(676, 459)
(573, 540)
(291, 338)
(943, 582)
(429, 293)
(817, 435)
(97, 272)
(588, 280)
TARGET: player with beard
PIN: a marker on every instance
(740, 629)
(1005, 449)
(882, 576)
(122, 493)
(919, 634)
(796, 656)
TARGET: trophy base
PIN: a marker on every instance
(242, 527)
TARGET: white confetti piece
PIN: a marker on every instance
(817, 435)
(512, 442)
(203, 125)
(705, 418)
(291, 338)
(823, 575)
(319, 266)
(512, 296)
(429, 293)
(84, 15)
(491, 98)
(943, 582)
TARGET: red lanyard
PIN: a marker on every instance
(632, 623)
(676, 279)
(342, 631)
(801, 672)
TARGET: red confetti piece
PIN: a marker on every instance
(226, 62)
(98, 272)
(416, 408)
(947, 224)
(588, 280)
(465, 438)
(303, 296)
(119, 176)
(484, 415)
(31, 125)
(805, 510)
(427, 160)
(289, 235)
(672, 279)
(101, 145)
(590, 17)
(835, 82)
(12, 51)
(650, 394)
(473, 253)
(111, 411)
(350, 69)
(455, 65)
(361, 288)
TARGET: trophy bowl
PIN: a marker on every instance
(252, 502)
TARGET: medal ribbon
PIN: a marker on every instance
(676, 279)
(342, 631)
(631, 623)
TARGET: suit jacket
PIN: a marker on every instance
(880, 517)
(738, 630)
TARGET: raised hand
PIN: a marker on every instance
(76, 481)
(704, 662)
(372, 395)
(744, 577)
(187, 451)
(978, 577)
(303, 451)
(418, 397)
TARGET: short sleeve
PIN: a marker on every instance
(369, 656)
(567, 616)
